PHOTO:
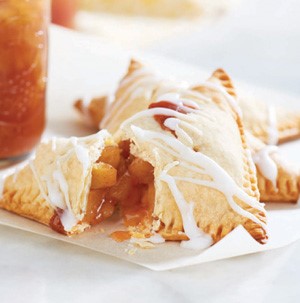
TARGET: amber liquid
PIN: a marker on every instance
(23, 71)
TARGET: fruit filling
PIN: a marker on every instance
(118, 179)
(134, 192)
(101, 204)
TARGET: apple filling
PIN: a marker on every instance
(101, 204)
(118, 180)
(134, 192)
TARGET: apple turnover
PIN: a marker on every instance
(132, 95)
(186, 150)
(93, 110)
(271, 124)
(67, 185)
(278, 180)
(286, 187)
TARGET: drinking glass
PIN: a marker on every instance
(23, 74)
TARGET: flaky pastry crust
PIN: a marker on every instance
(56, 182)
(222, 139)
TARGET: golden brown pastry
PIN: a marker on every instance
(192, 140)
(254, 116)
(278, 180)
(271, 124)
(94, 111)
(66, 185)
(132, 95)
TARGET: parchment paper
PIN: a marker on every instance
(283, 224)
(95, 66)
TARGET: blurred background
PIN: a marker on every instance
(256, 41)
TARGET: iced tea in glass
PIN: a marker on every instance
(23, 74)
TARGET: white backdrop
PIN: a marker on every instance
(258, 41)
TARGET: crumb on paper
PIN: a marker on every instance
(130, 250)
(134, 244)
(144, 244)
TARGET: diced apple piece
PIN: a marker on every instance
(103, 176)
(99, 207)
(141, 170)
(122, 189)
(111, 156)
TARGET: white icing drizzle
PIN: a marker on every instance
(171, 85)
(197, 238)
(165, 89)
(272, 128)
(62, 183)
(191, 127)
(54, 193)
(266, 164)
(53, 144)
(173, 124)
(157, 111)
(142, 82)
(221, 181)
(232, 101)
(155, 239)
(68, 219)
(136, 73)
(141, 72)
(56, 184)
(176, 99)
(82, 154)
(144, 85)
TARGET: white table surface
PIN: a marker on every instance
(38, 269)
(258, 42)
